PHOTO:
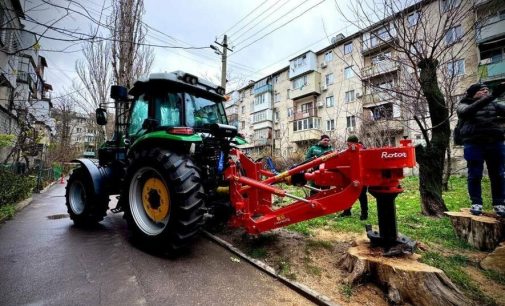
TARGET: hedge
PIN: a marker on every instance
(15, 187)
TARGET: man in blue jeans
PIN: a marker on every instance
(483, 133)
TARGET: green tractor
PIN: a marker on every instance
(165, 160)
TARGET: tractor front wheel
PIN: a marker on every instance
(83, 205)
(165, 198)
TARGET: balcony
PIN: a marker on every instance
(262, 89)
(377, 98)
(492, 29)
(492, 71)
(310, 135)
(311, 112)
(384, 126)
(379, 69)
(311, 87)
(375, 43)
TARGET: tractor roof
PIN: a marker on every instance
(177, 79)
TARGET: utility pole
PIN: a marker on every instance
(224, 55)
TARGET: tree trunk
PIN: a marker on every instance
(431, 157)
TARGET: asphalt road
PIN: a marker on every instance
(45, 260)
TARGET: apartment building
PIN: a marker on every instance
(25, 96)
(358, 83)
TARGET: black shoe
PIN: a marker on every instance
(346, 213)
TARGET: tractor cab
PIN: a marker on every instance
(165, 102)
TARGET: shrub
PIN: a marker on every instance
(14, 187)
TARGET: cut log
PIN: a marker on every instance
(405, 279)
(484, 232)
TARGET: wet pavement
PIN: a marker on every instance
(45, 260)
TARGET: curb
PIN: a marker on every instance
(312, 295)
(18, 207)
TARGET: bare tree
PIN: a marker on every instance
(130, 57)
(64, 114)
(424, 40)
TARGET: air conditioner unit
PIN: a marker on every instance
(323, 65)
(276, 121)
(320, 104)
(358, 95)
(485, 61)
(324, 87)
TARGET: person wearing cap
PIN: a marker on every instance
(482, 122)
(317, 150)
(363, 199)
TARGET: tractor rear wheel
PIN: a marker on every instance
(165, 199)
(83, 205)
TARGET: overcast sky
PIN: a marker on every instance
(199, 23)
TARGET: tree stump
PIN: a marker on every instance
(404, 278)
(484, 232)
(496, 260)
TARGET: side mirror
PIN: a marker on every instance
(101, 116)
(118, 92)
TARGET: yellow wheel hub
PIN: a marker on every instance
(155, 199)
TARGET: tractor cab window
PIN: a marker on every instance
(167, 109)
(138, 115)
(200, 111)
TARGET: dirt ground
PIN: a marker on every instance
(313, 261)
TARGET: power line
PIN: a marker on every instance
(259, 15)
(244, 17)
(282, 25)
(259, 21)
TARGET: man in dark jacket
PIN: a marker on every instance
(483, 135)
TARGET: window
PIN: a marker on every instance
(298, 83)
(306, 107)
(290, 112)
(456, 67)
(329, 79)
(277, 97)
(348, 48)
(450, 4)
(243, 109)
(381, 57)
(330, 101)
(259, 116)
(348, 73)
(351, 121)
(275, 79)
(307, 123)
(242, 125)
(384, 111)
(277, 134)
(330, 125)
(349, 96)
(412, 19)
(328, 56)
(276, 115)
(454, 34)
(138, 115)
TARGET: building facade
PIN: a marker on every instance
(361, 84)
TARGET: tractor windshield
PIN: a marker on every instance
(200, 111)
(166, 109)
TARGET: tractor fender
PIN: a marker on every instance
(100, 176)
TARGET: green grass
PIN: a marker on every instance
(444, 248)
(7, 211)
